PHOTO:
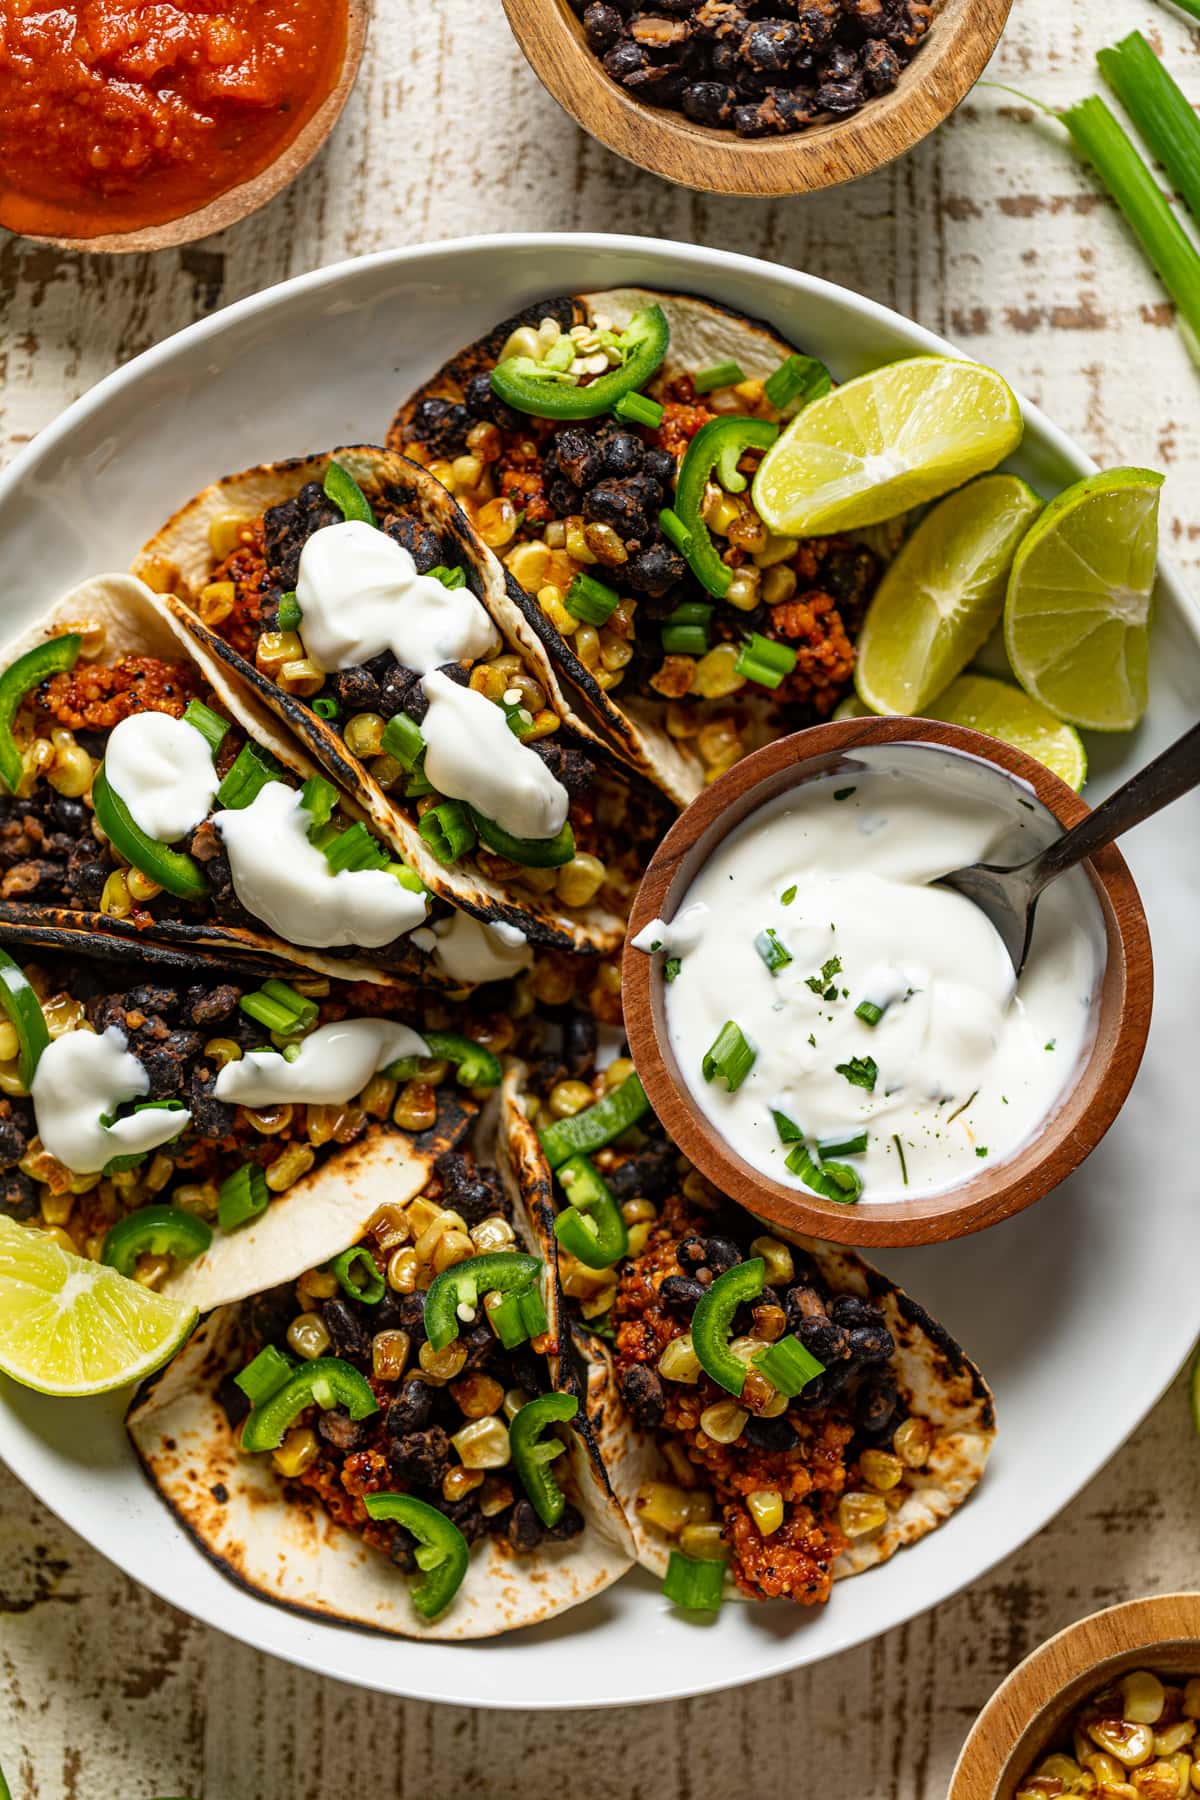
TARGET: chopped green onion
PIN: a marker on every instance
(590, 600)
(250, 772)
(674, 529)
(210, 726)
(788, 1366)
(402, 738)
(358, 1276)
(279, 1007)
(1160, 110)
(241, 1197)
(265, 1375)
(448, 831)
(318, 797)
(761, 659)
(418, 784)
(722, 374)
(852, 1144)
(860, 1071)
(1136, 192)
(832, 1180)
(289, 612)
(819, 983)
(518, 1316)
(774, 954)
(672, 967)
(900, 1154)
(787, 896)
(868, 1012)
(639, 409)
(789, 1131)
(800, 378)
(729, 1056)
(685, 632)
(695, 1583)
(326, 707)
(346, 495)
(449, 578)
(354, 849)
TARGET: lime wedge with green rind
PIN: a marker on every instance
(69, 1326)
(850, 708)
(1077, 615)
(942, 595)
(1001, 710)
(892, 439)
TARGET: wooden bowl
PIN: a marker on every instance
(1070, 1134)
(949, 62)
(237, 203)
(1021, 1721)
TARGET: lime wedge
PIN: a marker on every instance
(895, 438)
(1000, 710)
(850, 708)
(942, 596)
(71, 1326)
(1077, 616)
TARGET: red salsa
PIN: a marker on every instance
(116, 114)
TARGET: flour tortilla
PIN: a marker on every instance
(135, 625)
(285, 1548)
(702, 335)
(182, 545)
(937, 1382)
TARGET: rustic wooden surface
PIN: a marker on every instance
(989, 232)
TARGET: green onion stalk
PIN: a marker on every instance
(1160, 110)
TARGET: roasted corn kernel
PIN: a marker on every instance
(308, 1336)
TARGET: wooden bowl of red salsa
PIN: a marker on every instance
(134, 127)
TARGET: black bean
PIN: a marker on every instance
(691, 1253)
(579, 1043)
(770, 1434)
(395, 689)
(564, 497)
(603, 25)
(86, 875)
(871, 1343)
(525, 1530)
(841, 62)
(411, 1408)
(288, 527)
(442, 425)
(626, 59)
(422, 541)
(18, 1196)
(211, 1118)
(655, 569)
(720, 1254)
(578, 454)
(469, 1189)
(771, 44)
(409, 1313)
(69, 815)
(849, 1310)
(828, 1342)
(875, 1404)
(355, 690)
(232, 1401)
(423, 1457)
(210, 1004)
(345, 1328)
(482, 403)
(466, 1515)
(623, 453)
(681, 1293)
(149, 997)
(642, 1392)
(661, 465)
(338, 1429)
(880, 67)
(16, 1129)
(481, 1343)
(839, 98)
(569, 1525)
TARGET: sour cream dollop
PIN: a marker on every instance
(472, 755)
(360, 594)
(287, 882)
(469, 950)
(963, 1066)
(162, 768)
(82, 1077)
(333, 1065)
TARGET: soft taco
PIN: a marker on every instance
(350, 597)
(213, 1136)
(762, 1402)
(142, 805)
(603, 443)
(328, 1441)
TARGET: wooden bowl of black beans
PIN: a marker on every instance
(758, 97)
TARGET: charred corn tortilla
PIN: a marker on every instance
(936, 1383)
(703, 336)
(279, 1541)
(180, 555)
(120, 616)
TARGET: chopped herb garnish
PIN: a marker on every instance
(671, 968)
(851, 1143)
(1051, 1044)
(900, 1154)
(844, 793)
(868, 1012)
(819, 983)
(981, 1150)
(962, 1108)
(789, 1131)
(860, 1071)
(788, 895)
(812, 1040)
(776, 955)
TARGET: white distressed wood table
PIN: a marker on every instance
(990, 233)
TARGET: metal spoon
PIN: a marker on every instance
(1009, 896)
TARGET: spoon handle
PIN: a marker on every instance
(1173, 773)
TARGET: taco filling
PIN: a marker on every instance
(608, 464)
(362, 621)
(130, 800)
(146, 1123)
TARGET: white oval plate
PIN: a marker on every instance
(1079, 1312)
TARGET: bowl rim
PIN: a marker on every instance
(715, 161)
(1083, 1113)
(1016, 1724)
(233, 204)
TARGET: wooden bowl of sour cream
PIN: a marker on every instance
(944, 1194)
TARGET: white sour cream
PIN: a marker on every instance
(469, 950)
(472, 755)
(287, 882)
(162, 768)
(81, 1077)
(334, 1064)
(967, 1067)
(359, 594)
